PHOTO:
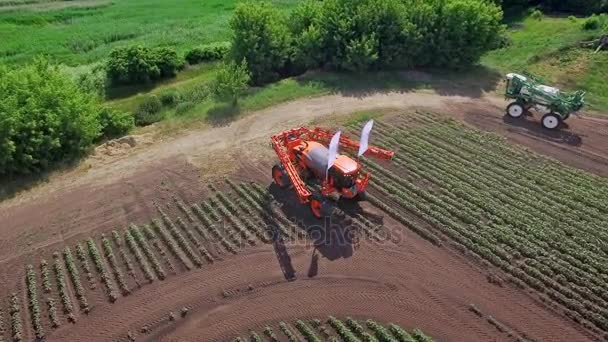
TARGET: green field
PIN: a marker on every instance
(549, 49)
(80, 34)
(85, 31)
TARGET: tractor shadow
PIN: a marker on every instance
(532, 126)
(333, 237)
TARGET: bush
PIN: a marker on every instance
(536, 14)
(592, 23)
(261, 38)
(184, 107)
(138, 64)
(45, 118)
(167, 61)
(231, 81)
(94, 81)
(170, 97)
(115, 123)
(149, 111)
(208, 53)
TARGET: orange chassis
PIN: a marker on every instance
(284, 144)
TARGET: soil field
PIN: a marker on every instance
(465, 236)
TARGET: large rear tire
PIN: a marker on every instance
(280, 177)
(551, 121)
(516, 110)
(320, 206)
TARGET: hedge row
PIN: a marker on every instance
(363, 35)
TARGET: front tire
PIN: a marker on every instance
(516, 110)
(321, 207)
(280, 176)
(551, 121)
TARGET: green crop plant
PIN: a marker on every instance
(75, 278)
(2, 326)
(132, 244)
(419, 336)
(342, 330)
(141, 241)
(254, 337)
(68, 309)
(109, 253)
(204, 252)
(151, 237)
(181, 241)
(400, 334)
(46, 280)
(125, 257)
(359, 330)
(84, 263)
(206, 221)
(34, 306)
(50, 302)
(270, 334)
(172, 245)
(306, 331)
(382, 334)
(287, 332)
(101, 270)
(15, 312)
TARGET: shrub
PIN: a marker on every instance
(207, 53)
(45, 118)
(167, 61)
(536, 14)
(231, 81)
(138, 64)
(170, 97)
(184, 107)
(261, 37)
(115, 123)
(95, 81)
(149, 111)
(592, 23)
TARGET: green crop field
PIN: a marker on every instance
(512, 208)
(85, 31)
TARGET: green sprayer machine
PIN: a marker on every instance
(529, 93)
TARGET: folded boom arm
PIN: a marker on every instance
(324, 137)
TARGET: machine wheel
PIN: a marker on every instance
(362, 196)
(280, 176)
(551, 121)
(516, 110)
(320, 206)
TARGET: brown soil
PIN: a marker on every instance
(412, 282)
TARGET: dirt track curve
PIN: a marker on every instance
(412, 282)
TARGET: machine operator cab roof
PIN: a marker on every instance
(317, 154)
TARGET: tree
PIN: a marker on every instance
(260, 36)
(231, 81)
(45, 118)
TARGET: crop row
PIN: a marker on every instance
(145, 235)
(348, 331)
(454, 179)
(101, 270)
(181, 241)
(538, 214)
(125, 257)
(32, 294)
(479, 193)
(136, 251)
